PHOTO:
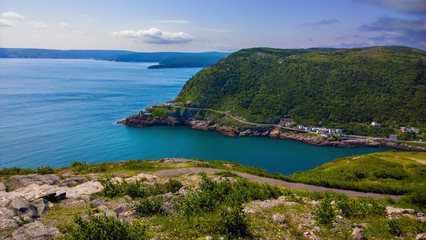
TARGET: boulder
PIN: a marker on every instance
(125, 207)
(99, 201)
(74, 181)
(42, 206)
(20, 181)
(35, 230)
(8, 224)
(30, 210)
(2, 186)
(108, 212)
(421, 236)
(396, 213)
(6, 213)
(358, 233)
(280, 218)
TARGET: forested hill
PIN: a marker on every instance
(165, 59)
(384, 84)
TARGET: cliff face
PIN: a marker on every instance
(188, 117)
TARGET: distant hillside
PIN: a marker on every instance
(191, 60)
(166, 59)
(60, 54)
(335, 86)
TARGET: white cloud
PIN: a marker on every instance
(5, 23)
(174, 21)
(63, 25)
(13, 15)
(38, 24)
(156, 36)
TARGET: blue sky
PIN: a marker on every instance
(220, 25)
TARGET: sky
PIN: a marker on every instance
(219, 25)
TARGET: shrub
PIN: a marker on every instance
(325, 212)
(173, 185)
(106, 228)
(355, 208)
(233, 223)
(149, 206)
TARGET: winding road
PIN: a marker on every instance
(300, 186)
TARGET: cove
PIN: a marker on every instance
(56, 111)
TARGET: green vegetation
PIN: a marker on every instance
(7, 172)
(386, 172)
(136, 189)
(107, 228)
(211, 205)
(341, 88)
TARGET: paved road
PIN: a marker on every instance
(301, 186)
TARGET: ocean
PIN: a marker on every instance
(56, 111)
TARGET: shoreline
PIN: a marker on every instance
(189, 120)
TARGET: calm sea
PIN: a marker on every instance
(53, 112)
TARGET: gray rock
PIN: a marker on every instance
(7, 224)
(6, 213)
(20, 181)
(2, 186)
(42, 206)
(123, 208)
(279, 218)
(421, 236)
(86, 198)
(358, 234)
(22, 207)
(99, 201)
(167, 208)
(35, 230)
(74, 180)
(209, 238)
(108, 212)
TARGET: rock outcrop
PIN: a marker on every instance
(188, 118)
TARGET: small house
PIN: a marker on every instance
(375, 124)
(301, 127)
(404, 129)
(309, 129)
(331, 131)
(416, 130)
(325, 135)
(393, 137)
(339, 131)
(170, 103)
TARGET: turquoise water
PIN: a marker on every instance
(53, 112)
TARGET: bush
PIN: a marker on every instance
(173, 185)
(105, 228)
(136, 189)
(149, 206)
(233, 223)
(325, 212)
(355, 208)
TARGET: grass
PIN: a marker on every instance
(386, 172)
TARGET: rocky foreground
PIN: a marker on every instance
(38, 206)
(188, 118)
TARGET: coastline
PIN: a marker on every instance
(187, 118)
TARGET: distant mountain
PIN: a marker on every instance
(335, 86)
(191, 60)
(59, 54)
(166, 59)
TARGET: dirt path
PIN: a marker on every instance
(301, 186)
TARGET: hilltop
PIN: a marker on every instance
(344, 88)
(165, 59)
(167, 198)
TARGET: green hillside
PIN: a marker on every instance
(335, 86)
(385, 172)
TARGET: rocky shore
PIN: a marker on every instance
(187, 118)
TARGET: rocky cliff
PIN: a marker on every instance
(188, 117)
